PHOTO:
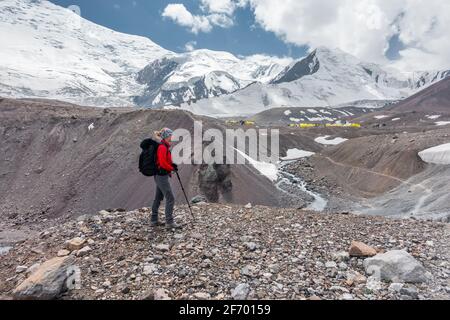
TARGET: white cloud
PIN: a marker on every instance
(364, 27)
(190, 46)
(180, 15)
(216, 13)
(219, 6)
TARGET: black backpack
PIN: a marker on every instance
(147, 159)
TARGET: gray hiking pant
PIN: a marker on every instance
(163, 190)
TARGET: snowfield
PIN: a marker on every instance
(293, 154)
(438, 155)
(268, 170)
(324, 140)
(50, 52)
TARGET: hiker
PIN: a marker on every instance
(165, 167)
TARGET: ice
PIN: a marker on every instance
(438, 155)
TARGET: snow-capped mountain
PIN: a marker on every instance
(324, 78)
(202, 74)
(49, 51)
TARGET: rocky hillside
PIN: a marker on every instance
(60, 159)
(232, 252)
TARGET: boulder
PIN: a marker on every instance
(360, 249)
(396, 266)
(47, 282)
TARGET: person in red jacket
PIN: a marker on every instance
(165, 167)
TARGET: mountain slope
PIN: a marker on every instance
(49, 51)
(324, 78)
(434, 99)
(202, 74)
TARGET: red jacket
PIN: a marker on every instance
(164, 157)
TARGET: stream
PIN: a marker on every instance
(319, 204)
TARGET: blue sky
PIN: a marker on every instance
(144, 18)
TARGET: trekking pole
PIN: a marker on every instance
(185, 196)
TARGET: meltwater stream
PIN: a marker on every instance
(319, 204)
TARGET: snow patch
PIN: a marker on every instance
(287, 112)
(438, 155)
(324, 140)
(269, 170)
(442, 123)
(380, 117)
(434, 117)
(293, 154)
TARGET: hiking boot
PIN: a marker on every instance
(173, 226)
(156, 224)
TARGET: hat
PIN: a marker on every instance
(165, 133)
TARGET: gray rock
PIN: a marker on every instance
(162, 247)
(249, 271)
(341, 256)
(241, 292)
(21, 269)
(395, 287)
(409, 291)
(47, 282)
(83, 252)
(396, 266)
(251, 246)
(198, 199)
(150, 269)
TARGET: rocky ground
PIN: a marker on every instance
(233, 252)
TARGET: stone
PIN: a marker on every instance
(202, 296)
(47, 282)
(354, 277)
(395, 287)
(198, 199)
(75, 244)
(118, 232)
(409, 291)
(84, 251)
(396, 266)
(21, 269)
(251, 246)
(347, 296)
(241, 292)
(249, 271)
(33, 268)
(341, 256)
(342, 266)
(162, 247)
(248, 206)
(161, 294)
(63, 253)
(150, 269)
(330, 264)
(360, 249)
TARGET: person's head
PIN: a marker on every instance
(165, 134)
